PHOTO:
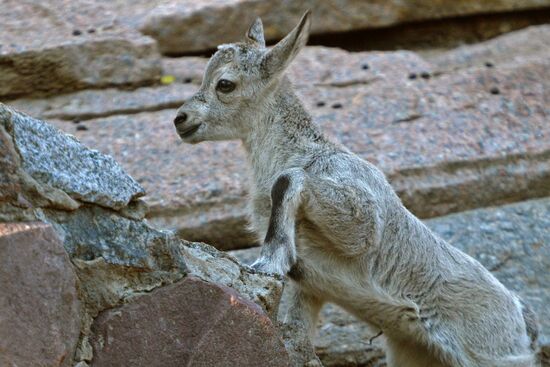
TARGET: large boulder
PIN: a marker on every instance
(449, 140)
(39, 308)
(92, 205)
(56, 46)
(512, 241)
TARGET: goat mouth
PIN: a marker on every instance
(189, 131)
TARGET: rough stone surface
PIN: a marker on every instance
(186, 26)
(446, 141)
(532, 41)
(115, 254)
(39, 307)
(57, 160)
(315, 66)
(512, 241)
(117, 258)
(60, 45)
(94, 103)
(190, 322)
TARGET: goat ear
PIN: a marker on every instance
(255, 33)
(281, 55)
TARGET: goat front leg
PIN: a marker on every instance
(278, 252)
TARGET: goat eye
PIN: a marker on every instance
(225, 86)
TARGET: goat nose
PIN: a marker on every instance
(180, 118)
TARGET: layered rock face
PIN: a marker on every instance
(462, 130)
(186, 26)
(52, 46)
(92, 280)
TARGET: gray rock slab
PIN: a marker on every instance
(60, 161)
(53, 46)
(512, 241)
(39, 307)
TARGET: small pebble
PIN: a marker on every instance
(77, 32)
(495, 90)
(489, 64)
(187, 80)
(91, 30)
(412, 76)
(81, 128)
(320, 104)
(76, 122)
(425, 75)
(337, 105)
(365, 66)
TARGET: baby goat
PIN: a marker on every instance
(332, 223)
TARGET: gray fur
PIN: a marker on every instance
(338, 224)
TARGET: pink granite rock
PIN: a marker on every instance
(60, 45)
(192, 323)
(187, 26)
(39, 308)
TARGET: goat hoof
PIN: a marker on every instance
(263, 265)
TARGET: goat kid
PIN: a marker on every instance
(332, 223)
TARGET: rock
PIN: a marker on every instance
(59, 161)
(94, 103)
(195, 323)
(314, 66)
(446, 143)
(298, 344)
(533, 42)
(116, 255)
(344, 341)
(100, 237)
(39, 307)
(512, 241)
(183, 27)
(433, 37)
(66, 46)
(118, 258)
(96, 233)
(187, 70)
